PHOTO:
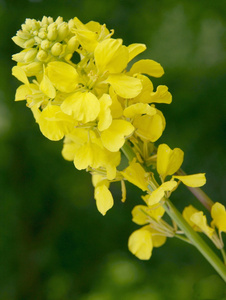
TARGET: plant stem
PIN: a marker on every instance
(196, 240)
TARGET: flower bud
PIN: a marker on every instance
(30, 55)
(44, 20)
(29, 43)
(37, 40)
(56, 49)
(62, 31)
(33, 68)
(72, 44)
(42, 55)
(45, 45)
(52, 32)
(19, 41)
(59, 20)
(19, 57)
(42, 35)
(23, 34)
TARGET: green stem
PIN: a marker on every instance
(195, 239)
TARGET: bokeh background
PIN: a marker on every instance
(54, 244)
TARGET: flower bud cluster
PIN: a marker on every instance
(43, 40)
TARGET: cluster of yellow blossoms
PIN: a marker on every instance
(102, 107)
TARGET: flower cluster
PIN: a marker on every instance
(76, 80)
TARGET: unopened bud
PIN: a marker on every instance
(30, 55)
(45, 45)
(52, 32)
(30, 43)
(42, 35)
(23, 34)
(59, 20)
(62, 31)
(17, 40)
(37, 40)
(56, 49)
(33, 68)
(44, 20)
(72, 44)
(42, 55)
(19, 57)
(71, 24)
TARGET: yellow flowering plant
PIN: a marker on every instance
(103, 109)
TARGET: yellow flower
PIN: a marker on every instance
(187, 213)
(218, 214)
(157, 195)
(63, 76)
(141, 213)
(199, 219)
(84, 148)
(54, 124)
(140, 243)
(104, 199)
(147, 66)
(111, 57)
(84, 107)
(135, 174)
(168, 160)
(149, 127)
(113, 138)
(195, 180)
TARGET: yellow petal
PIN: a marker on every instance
(149, 127)
(98, 179)
(83, 107)
(33, 69)
(195, 180)
(218, 214)
(168, 161)
(140, 215)
(147, 89)
(162, 95)
(125, 86)
(113, 138)
(104, 199)
(135, 174)
(20, 74)
(157, 239)
(87, 39)
(69, 150)
(112, 160)
(116, 107)
(111, 56)
(139, 109)
(199, 219)
(105, 117)
(54, 124)
(187, 213)
(63, 76)
(157, 195)
(147, 66)
(89, 154)
(135, 49)
(140, 244)
(47, 87)
(22, 92)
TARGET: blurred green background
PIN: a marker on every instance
(54, 244)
